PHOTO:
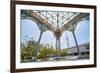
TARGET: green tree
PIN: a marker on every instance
(27, 52)
(42, 54)
(64, 52)
(45, 52)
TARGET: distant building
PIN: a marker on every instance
(84, 50)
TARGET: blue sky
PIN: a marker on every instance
(29, 30)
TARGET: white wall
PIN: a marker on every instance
(5, 36)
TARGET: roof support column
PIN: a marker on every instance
(67, 41)
(76, 43)
(73, 32)
(42, 29)
(58, 47)
(37, 46)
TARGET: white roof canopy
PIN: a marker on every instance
(54, 20)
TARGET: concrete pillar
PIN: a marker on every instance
(76, 43)
(67, 41)
(42, 29)
(37, 46)
(58, 47)
(57, 34)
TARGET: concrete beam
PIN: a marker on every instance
(39, 19)
(69, 25)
